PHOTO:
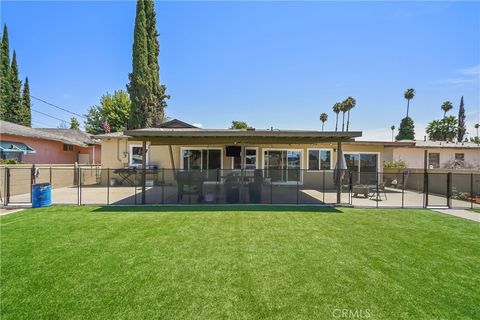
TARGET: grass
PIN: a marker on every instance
(238, 263)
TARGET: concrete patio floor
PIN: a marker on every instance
(278, 194)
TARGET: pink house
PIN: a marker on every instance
(47, 146)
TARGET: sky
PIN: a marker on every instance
(277, 64)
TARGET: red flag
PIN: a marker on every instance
(106, 126)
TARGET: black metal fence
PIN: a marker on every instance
(97, 186)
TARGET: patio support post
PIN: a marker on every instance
(339, 163)
(144, 170)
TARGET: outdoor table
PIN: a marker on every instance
(361, 189)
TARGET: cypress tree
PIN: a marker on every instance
(140, 79)
(14, 103)
(406, 130)
(4, 73)
(462, 128)
(157, 91)
(26, 116)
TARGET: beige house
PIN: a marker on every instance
(434, 154)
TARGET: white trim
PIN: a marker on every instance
(319, 165)
(130, 147)
(285, 149)
(200, 149)
(245, 158)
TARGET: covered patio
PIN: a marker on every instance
(272, 182)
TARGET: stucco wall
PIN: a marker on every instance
(51, 152)
(115, 153)
(415, 156)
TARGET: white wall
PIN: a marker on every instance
(414, 156)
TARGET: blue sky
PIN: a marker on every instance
(275, 64)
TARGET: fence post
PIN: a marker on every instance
(403, 189)
(350, 186)
(7, 193)
(323, 186)
(376, 202)
(297, 186)
(79, 186)
(471, 191)
(425, 189)
(32, 181)
(108, 187)
(449, 189)
(135, 185)
(50, 176)
(163, 185)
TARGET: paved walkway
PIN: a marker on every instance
(461, 214)
(5, 211)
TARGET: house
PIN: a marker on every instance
(47, 146)
(434, 154)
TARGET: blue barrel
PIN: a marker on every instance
(41, 195)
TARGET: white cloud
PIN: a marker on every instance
(472, 71)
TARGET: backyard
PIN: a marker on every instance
(245, 262)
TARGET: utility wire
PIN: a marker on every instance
(47, 115)
(55, 106)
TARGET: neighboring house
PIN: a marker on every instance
(178, 145)
(47, 146)
(439, 154)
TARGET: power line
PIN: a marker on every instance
(55, 106)
(47, 115)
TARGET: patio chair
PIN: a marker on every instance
(378, 191)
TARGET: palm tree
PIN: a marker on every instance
(323, 118)
(393, 132)
(343, 108)
(409, 94)
(351, 102)
(446, 106)
(477, 125)
(336, 109)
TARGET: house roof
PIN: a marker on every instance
(202, 136)
(175, 123)
(68, 136)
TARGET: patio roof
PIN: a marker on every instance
(166, 136)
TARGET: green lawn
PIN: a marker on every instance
(263, 263)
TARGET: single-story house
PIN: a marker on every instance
(434, 154)
(47, 146)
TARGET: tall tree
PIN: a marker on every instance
(237, 124)
(74, 124)
(115, 109)
(4, 73)
(14, 103)
(140, 77)
(393, 132)
(350, 104)
(409, 94)
(336, 109)
(323, 118)
(158, 95)
(462, 127)
(442, 130)
(26, 111)
(406, 131)
(344, 109)
(147, 95)
(446, 106)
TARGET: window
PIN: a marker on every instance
(459, 156)
(201, 159)
(67, 147)
(250, 160)
(283, 165)
(319, 159)
(136, 155)
(434, 160)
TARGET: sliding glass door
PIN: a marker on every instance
(283, 166)
(364, 167)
